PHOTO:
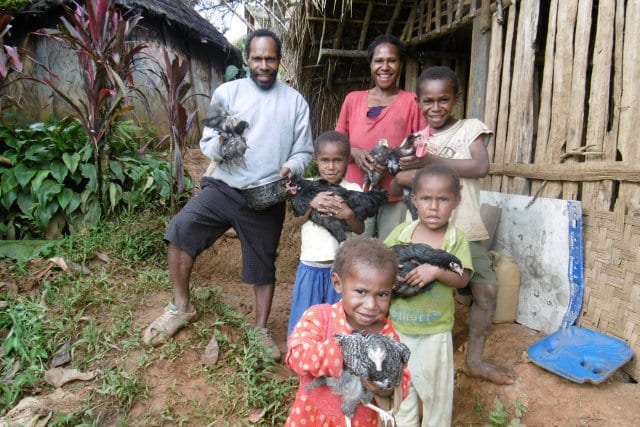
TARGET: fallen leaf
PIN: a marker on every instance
(211, 351)
(60, 262)
(256, 415)
(103, 257)
(58, 377)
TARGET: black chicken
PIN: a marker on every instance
(363, 204)
(232, 142)
(374, 357)
(389, 158)
(411, 255)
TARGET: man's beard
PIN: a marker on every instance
(262, 84)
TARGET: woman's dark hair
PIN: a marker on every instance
(364, 250)
(439, 73)
(387, 38)
(438, 170)
(332, 136)
(263, 32)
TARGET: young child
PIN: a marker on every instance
(461, 145)
(313, 279)
(425, 320)
(364, 272)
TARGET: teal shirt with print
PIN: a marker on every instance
(431, 311)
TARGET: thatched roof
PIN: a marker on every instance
(173, 13)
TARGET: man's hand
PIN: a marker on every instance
(285, 172)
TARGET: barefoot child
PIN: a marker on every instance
(313, 280)
(424, 321)
(364, 272)
(461, 145)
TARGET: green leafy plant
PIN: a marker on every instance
(501, 415)
(99, 34)
(48, 175)
(25, 349)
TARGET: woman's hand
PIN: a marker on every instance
(362, 158)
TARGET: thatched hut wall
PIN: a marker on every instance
(557, 80)
(165, 25)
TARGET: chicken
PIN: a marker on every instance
(411, 255)
(374, 357)
(232, 142)
(363, 204)
(390, 158)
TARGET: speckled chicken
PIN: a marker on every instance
(232, 142)
(411, 255)
(364, 205)
(389, 158)
(375, 357)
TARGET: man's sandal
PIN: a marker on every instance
(165, 326)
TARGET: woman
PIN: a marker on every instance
(382, 112)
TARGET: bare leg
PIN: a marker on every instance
(180, 266)
(480, 321)
(264, 298)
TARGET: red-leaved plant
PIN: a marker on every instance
(99, 34)
(174, 95)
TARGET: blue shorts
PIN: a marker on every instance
(312, 286)
(215, 209)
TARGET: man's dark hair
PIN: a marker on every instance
(263, 32)
(387, 38)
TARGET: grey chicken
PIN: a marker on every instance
(411, 255)
(374, 357)
(389, 158)
(364, 205)
(232, 142)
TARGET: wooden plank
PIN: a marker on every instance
(478, 72)
(407, 31)
(365, 25)
(575, 124)
(420, 15)
(449, 14)
(411, 70)
(493, 82)
(597, 195)
(429, 17)
(505, 87)
(593, 171)
(630, 106)
(546, 92)
(458, 16)
(561, 102)
(520, 132)
(438, 13)
(343, 53)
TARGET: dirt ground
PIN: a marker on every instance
(550, 400)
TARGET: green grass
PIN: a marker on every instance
(95, 315)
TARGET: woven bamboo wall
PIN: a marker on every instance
(612, 293)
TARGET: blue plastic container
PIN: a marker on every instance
(580, 354)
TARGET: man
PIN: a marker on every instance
(279, 143)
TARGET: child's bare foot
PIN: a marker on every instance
(489, 371)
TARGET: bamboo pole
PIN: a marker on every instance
(578, 172)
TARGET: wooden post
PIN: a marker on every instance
(561, 102)
(478, 71)
(629, 105)
(520, 134)
(575, 123)
(493, 83)
(546, 92)
(503, 109)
